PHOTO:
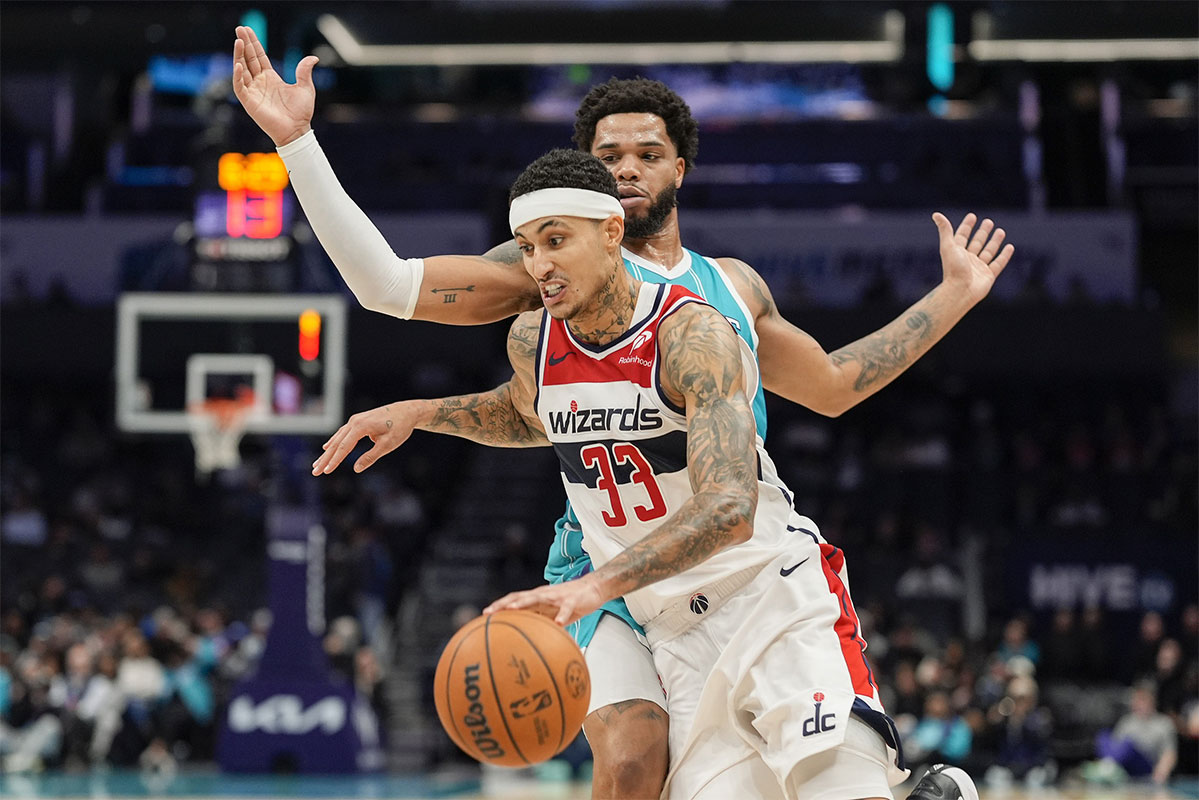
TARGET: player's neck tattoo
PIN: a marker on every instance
(610, 313)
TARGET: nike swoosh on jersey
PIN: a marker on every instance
(559, 359)
(785, 571)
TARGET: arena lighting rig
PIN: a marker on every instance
(355, 53)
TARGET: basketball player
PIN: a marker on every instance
(639, 128)
(644, 392)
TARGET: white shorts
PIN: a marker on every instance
(621, 666)
(856, 768)
(769, 673)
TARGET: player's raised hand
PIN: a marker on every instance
(972, 262)
(387, 426)
(283, 110)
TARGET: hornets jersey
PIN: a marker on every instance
(622, 446)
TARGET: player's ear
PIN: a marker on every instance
(613, 229)
(680, 169)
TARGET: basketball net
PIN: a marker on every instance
(216, 426)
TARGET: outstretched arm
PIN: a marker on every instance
(502, 417)
(701, 366)
(460, 290)
(796, 367)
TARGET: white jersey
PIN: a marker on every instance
(622, 447)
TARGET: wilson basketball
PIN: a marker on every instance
(512, 688)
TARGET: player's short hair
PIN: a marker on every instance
(639, 95)
(565, 169)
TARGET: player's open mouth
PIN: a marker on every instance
(551, 291)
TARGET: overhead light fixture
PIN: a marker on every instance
(355, 53)
(1084, 50)
(983, 47)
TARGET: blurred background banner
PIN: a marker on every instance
(839, 260)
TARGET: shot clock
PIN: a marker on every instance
(244, 214)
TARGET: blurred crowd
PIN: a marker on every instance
(131, 591)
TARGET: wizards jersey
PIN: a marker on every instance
(703, 276)
(622, 446)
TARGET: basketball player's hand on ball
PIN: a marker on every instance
(563, 602)
(972, 262)
(387, 426)
(283, 110)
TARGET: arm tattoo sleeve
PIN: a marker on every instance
(702, 361)
(889, 351)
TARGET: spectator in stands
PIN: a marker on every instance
(372, 568)
(141, 686)
(1142, 656)
(79, 696)
(1144, 743)
(941, 736)
(1020, 731)
(1096, 654)
(907, 700)
(1062, 652)
(1016, 642)
(30, 732)
(1169, 677)
(1189, 636)
(368, 678)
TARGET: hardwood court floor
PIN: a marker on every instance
(123, 785)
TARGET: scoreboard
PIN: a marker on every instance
(244, 220)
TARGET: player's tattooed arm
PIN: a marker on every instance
(702, 369)
(502, 417)
(795, 366)
(473, 290)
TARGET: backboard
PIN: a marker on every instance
(175, 351)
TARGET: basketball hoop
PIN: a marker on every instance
(216, 426)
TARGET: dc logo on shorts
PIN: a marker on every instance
(699, 603)
(819, 723)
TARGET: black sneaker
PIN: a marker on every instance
(944, 783)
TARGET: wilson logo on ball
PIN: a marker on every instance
(475, 719)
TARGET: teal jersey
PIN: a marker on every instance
(567, 558)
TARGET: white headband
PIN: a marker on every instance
(561, 202)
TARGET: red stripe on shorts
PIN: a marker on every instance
(853, 646)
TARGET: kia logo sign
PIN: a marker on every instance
(285, 713)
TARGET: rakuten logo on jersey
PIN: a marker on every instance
(602, 420)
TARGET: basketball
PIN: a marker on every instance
(512, 688)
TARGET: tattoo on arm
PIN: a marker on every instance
(702, 361)
(889, 351)
(752, 288)
(487, 417)
(449, 294)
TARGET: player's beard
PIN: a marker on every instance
(655, 216)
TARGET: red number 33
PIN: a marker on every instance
(597, 456)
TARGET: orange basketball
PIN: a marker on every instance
(512, 688)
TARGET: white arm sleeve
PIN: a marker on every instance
(381, 280)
